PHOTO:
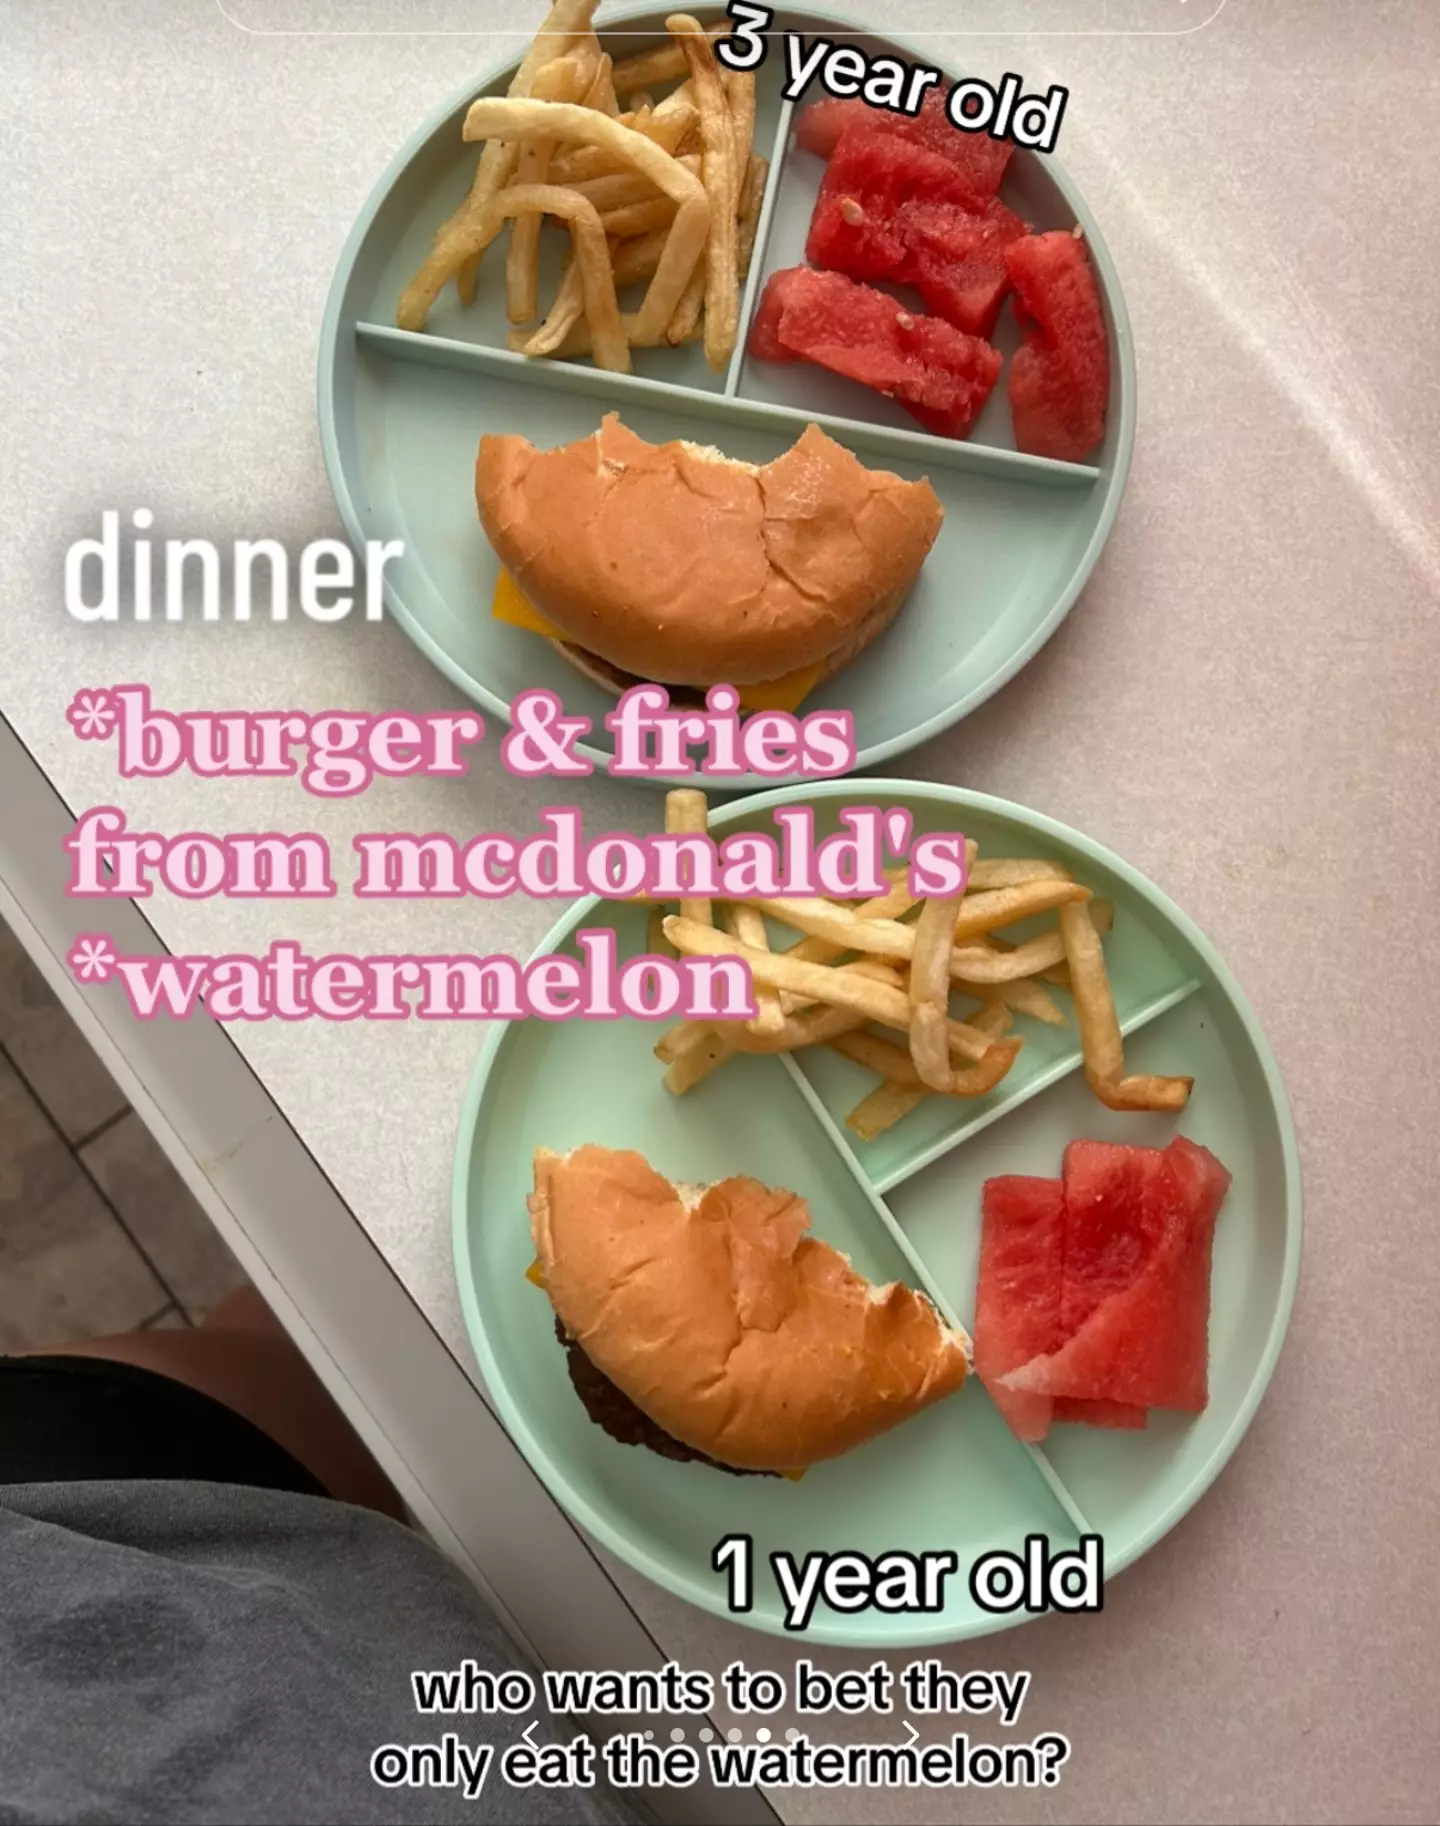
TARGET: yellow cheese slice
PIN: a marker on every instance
(786, 693)
(510, 605)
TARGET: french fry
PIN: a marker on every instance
(666, 127)
(638, 259)
(795, 1033)
(648, 69)
(576, 340)
(591, 261)
(993, 1018)
(978, 963)
(887, 906)
(842, 988)
(752, 198)
(688, 810)
(566, 20)
(749, 926)
(601, 92)
(564, 333)
(618, 188)
(564, 314)
(991, 909)
(696, 1063)
(656, 943)
(1026, 995)
(740, 94)
(841, 927)
(930, 991)
(632, 219)
(1100, 1029)
(895, 1064)
(997, 960)
(685, 324)
(502, 119)
(810, 1028)
(886, 1105)
(562, 80)
(1013, 872)
(721, 174)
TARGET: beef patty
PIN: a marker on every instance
(615, 1413)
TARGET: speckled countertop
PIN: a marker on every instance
(1242, 704)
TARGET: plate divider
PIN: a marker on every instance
(643, 393)
(1058, 1488)
(773, 180)
(1023, 1093)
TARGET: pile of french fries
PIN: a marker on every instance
(664, 188)
(897, 964)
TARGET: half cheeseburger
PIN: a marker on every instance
(706, 1323)
(674, 564)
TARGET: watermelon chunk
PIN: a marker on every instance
(1146, 1343)
(957, 259)
(1017, 1303)
(890, 209)
(1114, 1196)
(1123, 1415)
(764, 341)
(1060, 377)
(855, 228)
(978, 159)
(941, 376)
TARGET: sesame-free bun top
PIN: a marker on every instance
(676, 564)
(716, 1313)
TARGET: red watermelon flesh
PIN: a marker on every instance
(857, 225)
(978, 159)
(1121, 1415)
(1017, 1303)
(1147, 1344)
(1060, 377)
(764, 339)
(890, 209)
(941, 376)
(957, 259)
(1113, 1199)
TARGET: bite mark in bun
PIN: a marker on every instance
(726, 1324)
(674, 563)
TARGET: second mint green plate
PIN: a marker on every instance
(401, 415)
(905, 1207)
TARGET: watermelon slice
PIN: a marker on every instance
(855, 228)
(1123, 1415)
(1017, 1303)
(1146, 1344)
(891, 209)
(1113, 1199)
(977, 159)
(941, 376)
(763, 342)
(957, 259)
(1060, 377)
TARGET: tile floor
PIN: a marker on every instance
(98, 1234)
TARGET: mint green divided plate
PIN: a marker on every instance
(401, 416)
(905, 1207)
